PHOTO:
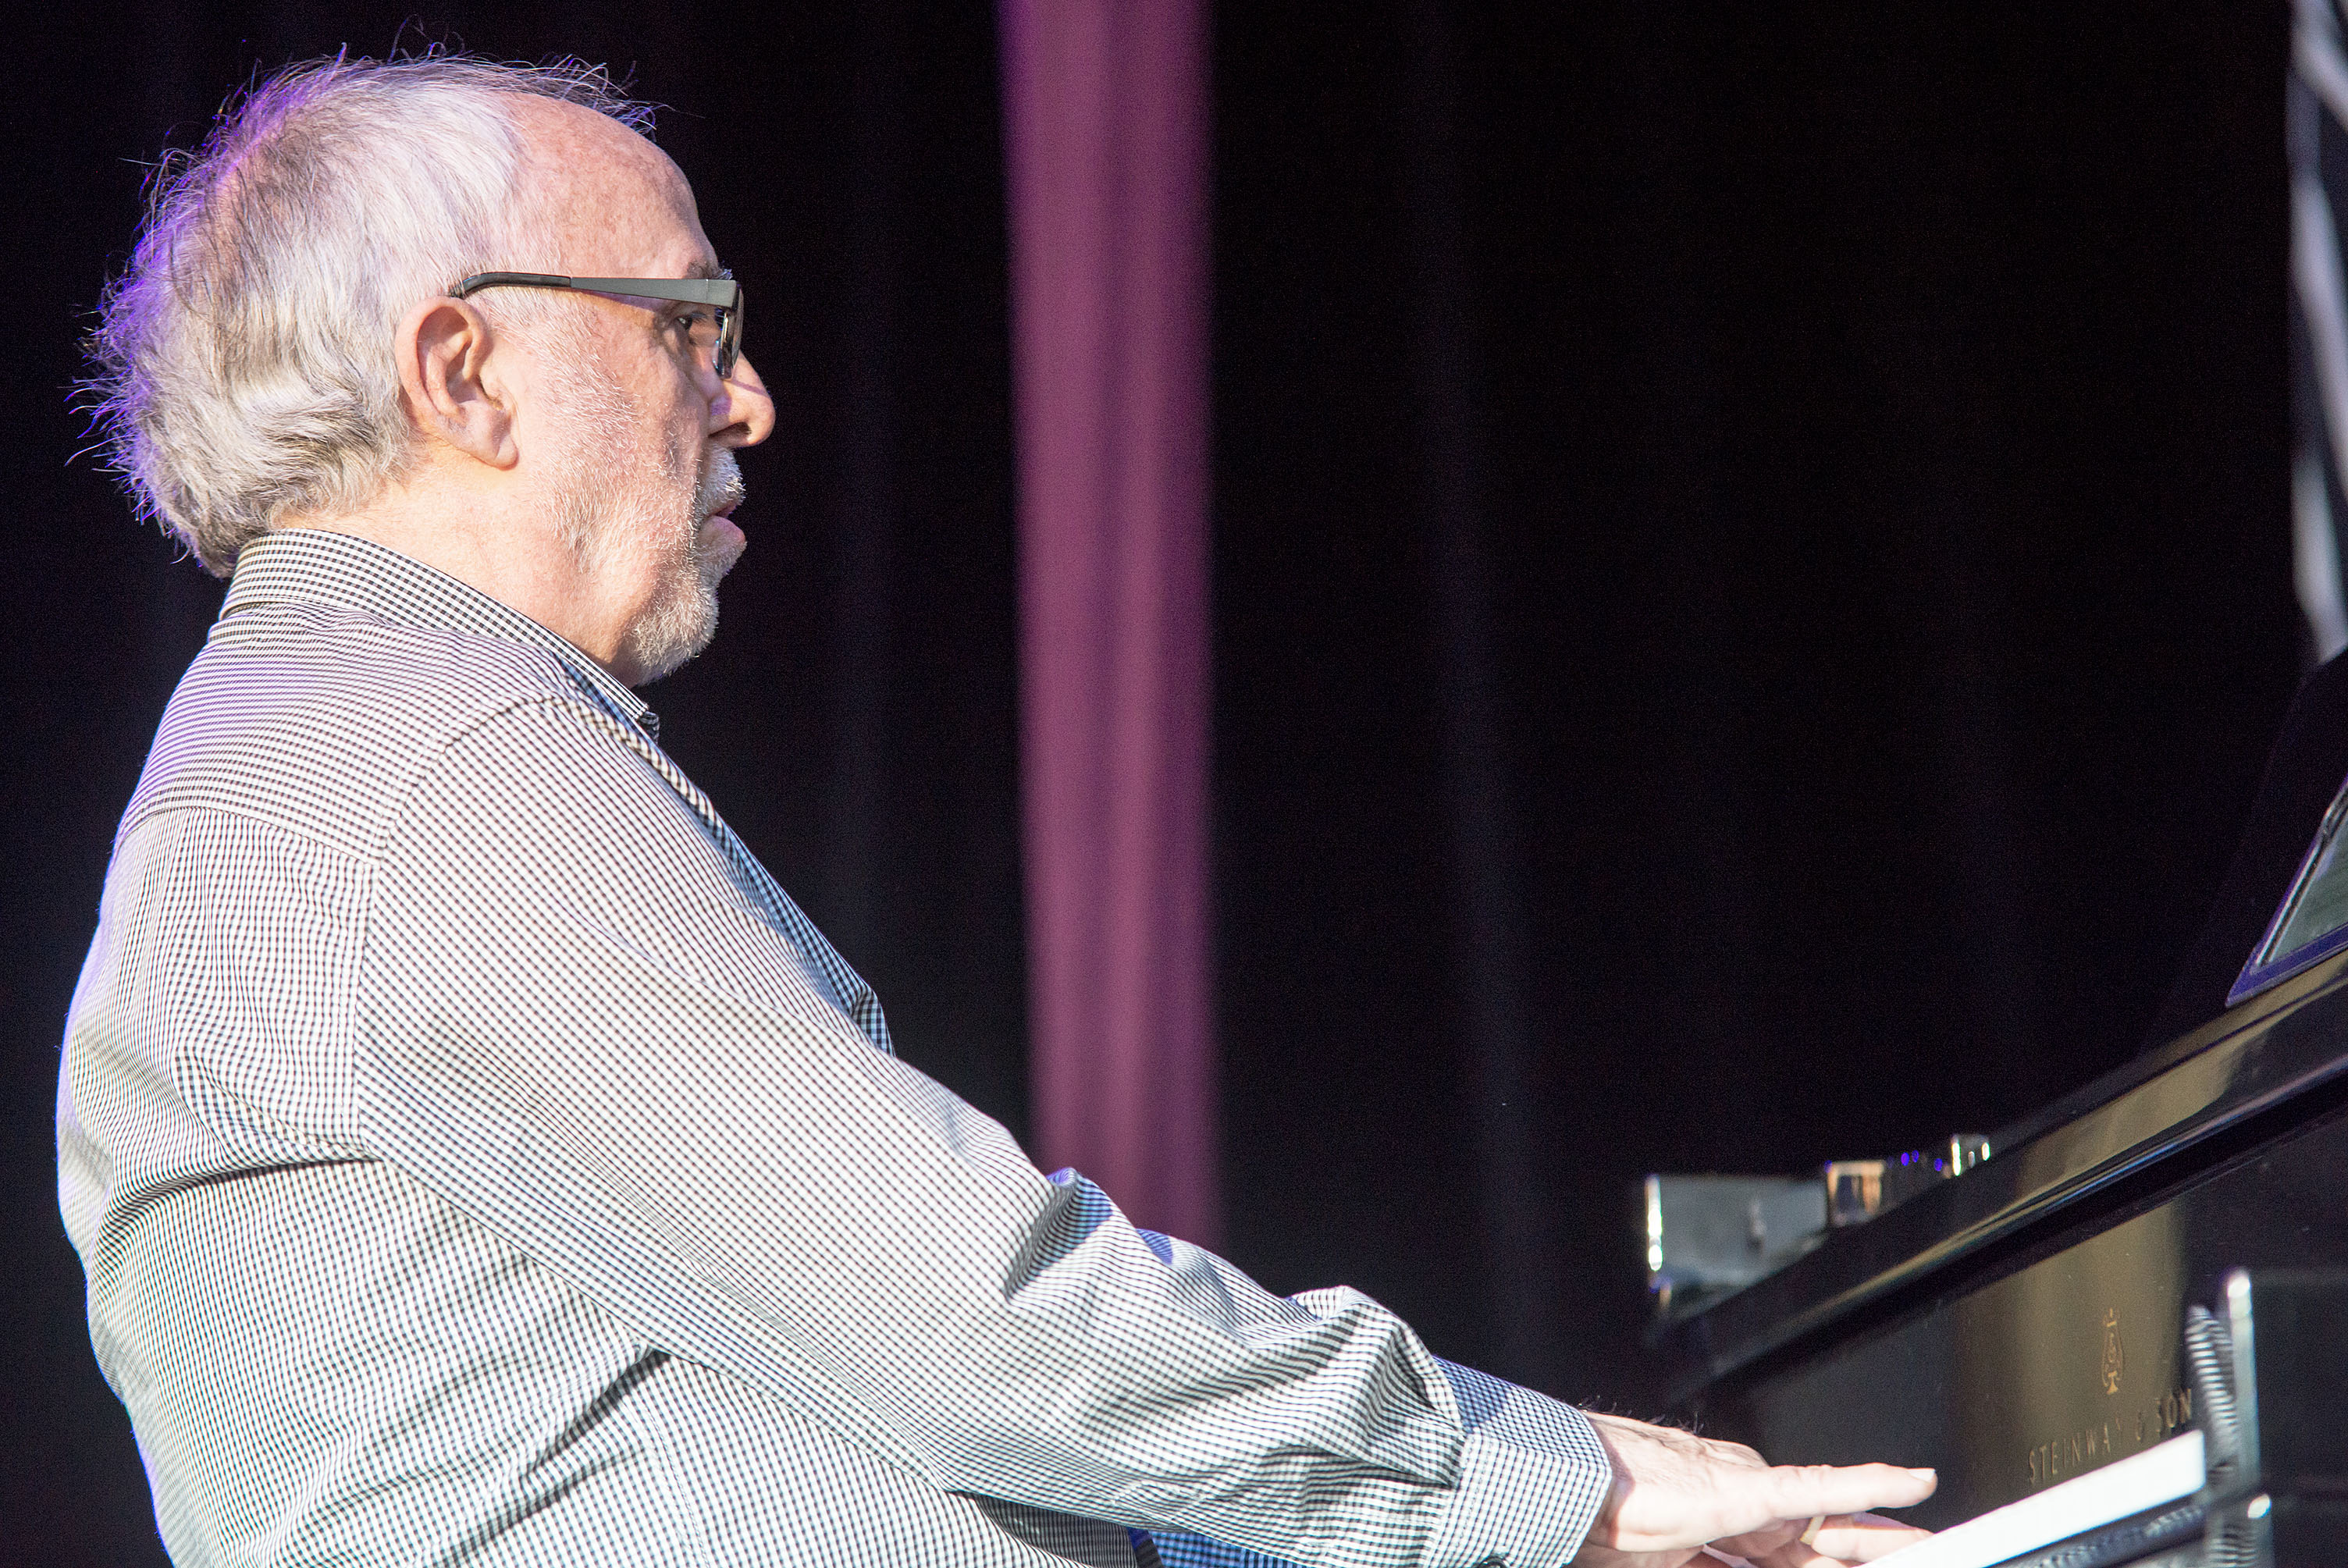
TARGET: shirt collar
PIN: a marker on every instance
(314, 566)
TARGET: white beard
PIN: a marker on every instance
(682, 616)
(617, 496)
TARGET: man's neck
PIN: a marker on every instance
(505, 545)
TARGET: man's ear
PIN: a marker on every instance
(443, 350)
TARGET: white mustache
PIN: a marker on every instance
(721, 487)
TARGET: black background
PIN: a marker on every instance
(1752, 587)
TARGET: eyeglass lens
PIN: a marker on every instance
(729, 337)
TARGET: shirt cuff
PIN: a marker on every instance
(1532, 1476)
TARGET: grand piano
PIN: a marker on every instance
(2154, 1266)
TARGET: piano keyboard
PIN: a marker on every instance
(2119, 1491)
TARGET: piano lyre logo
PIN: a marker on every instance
(2112, 1358)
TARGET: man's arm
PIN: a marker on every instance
(574, 1024)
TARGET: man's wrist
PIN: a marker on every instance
(1532, 1478)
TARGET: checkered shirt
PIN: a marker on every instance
(476, 1158)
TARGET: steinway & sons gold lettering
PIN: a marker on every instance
(2091, 1446)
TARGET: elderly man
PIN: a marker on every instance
(474, 1156)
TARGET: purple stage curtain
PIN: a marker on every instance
(1106, 144)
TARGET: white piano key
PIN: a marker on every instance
(2124, 1487)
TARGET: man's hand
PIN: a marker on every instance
(1676, 1494)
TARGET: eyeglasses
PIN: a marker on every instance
(720, 338)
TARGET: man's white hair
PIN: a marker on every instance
(245, 372)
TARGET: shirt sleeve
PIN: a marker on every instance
(1524, 1451)
(579, 1021)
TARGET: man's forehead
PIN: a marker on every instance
(605, 184)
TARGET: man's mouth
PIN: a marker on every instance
(722, 540)
(721, 492)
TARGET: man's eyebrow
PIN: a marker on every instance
(705, 270)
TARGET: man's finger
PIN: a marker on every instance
(1861, 1539)
(1840, 1539)
(1832, 1548)
(1800, 1491)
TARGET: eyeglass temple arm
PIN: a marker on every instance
(721, 293)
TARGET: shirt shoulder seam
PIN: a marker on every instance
(167, 806)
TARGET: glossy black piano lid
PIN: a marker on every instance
(2020, 1323)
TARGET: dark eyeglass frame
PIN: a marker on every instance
(721, 294)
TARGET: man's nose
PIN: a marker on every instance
(742, 414)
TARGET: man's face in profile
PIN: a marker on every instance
(637, 430)
(624, 489)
